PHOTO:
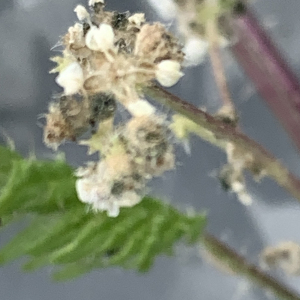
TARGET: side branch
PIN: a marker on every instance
(230, 259)
(264, 161)
(213, 38)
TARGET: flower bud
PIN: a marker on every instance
(195, 50)
(71, 78)
(137, 19)
(93, 2)
(100, 39)
(166, 9)
(82, 13)
(141, 108)
(168, 72)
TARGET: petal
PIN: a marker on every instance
(141, 108)
(71, 78)
(100, 39)
(82, 13)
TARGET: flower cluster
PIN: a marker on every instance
(115, 52)
(107, 57)
(191, 17)
(131, 155)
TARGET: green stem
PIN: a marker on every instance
(264, 161)
(230, 259)
(213, 37)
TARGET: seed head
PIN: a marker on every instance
(56, 129)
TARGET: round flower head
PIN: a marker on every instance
(100, 39)
(114, 54)
(168, 72)
(71, 78)
(108, 185)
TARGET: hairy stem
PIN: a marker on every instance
(264, 161)
(230, 259)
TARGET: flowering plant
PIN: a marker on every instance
(102, 216)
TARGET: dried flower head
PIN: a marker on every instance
(56, 129)
(105, 189)
(285, 256)
(70, 117)
(108, 56)
(115, 52)
(150, 146)
(67, 119)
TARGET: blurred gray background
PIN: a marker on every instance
(28, 29)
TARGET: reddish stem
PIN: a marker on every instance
(269, 72)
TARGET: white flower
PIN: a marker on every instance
(113, 210)
(240, 189)
(167, 9)
(76, 35)
(93, 2)
(100, 39)
(168, 72)
(85, 191)
(129, 199)
(71, 78)
(141, 108)
(82, 13)
(195, 50)
(137, 19)
(94, 187)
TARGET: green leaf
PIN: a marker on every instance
(38, 186)
(132, 240)
(74, 270)
(24, 240)
(62, 233)
(64, 230)
(7, 156)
